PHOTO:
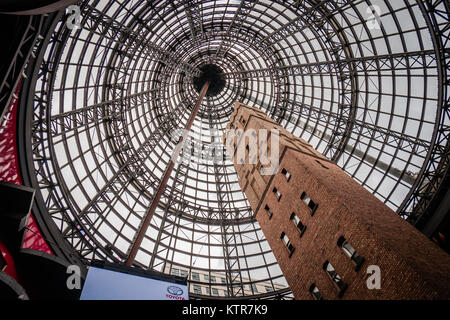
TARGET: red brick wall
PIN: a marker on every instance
(412, 266)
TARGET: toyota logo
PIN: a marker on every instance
(175, 290)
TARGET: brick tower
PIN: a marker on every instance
(332, 238)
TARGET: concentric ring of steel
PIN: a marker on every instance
(363, 90)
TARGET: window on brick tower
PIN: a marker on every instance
(300, 226)
(350, 252)
(269, 213)
(287, 243)
(286, 174)
(311, 204)
(175, 272)
(277, 193)
(335, 277)
(213, 279)
(215, 292)
(315, 292)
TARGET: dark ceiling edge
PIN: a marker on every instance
(425, 216)
(13, 285)
(54, 259)
(17, 54)
(34, 269)
(27, 155)
(39, 8)
(53, 237)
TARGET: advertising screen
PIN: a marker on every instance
(102, 284)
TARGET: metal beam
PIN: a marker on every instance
(367, 130)
(130, 40)
(312, 14)
(230, 250)
(154, 202)
(417, 204)
(129, 170)
(399, 61)
(193, 14)
(15, 70)
(167, 229)
(416, 144)
(98, 112)
(239, 16)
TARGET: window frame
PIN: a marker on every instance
(277, 193)
(301, 230)
(268, 211)
(196, 286)
(286, 174)
(357, 260)
(195, 276)
(315, 293)
(335, 278)
(306, 199)
(288, 244)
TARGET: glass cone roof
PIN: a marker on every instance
(359, 80)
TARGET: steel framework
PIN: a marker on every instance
(365, 82)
